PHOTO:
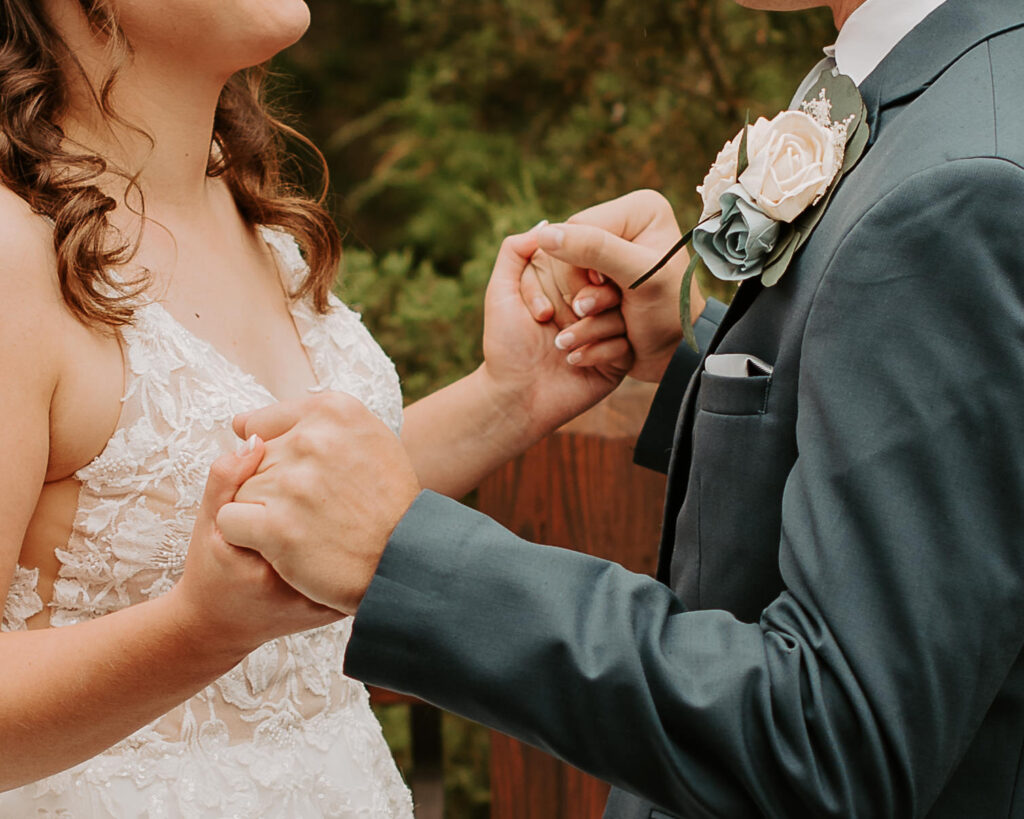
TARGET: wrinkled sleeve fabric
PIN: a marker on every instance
(654, 445)
(860, 687)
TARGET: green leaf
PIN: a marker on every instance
(856, 143)
(744, 158)
(841, 92)
(781, 243)
(684, 302)
(773, 270)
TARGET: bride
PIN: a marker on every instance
(158, 282)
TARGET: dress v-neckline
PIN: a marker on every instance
(281, 265)
(232, 365)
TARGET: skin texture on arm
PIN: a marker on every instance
(861, 686)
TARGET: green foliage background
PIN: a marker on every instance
(448, 124)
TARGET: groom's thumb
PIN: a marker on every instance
(227, 474)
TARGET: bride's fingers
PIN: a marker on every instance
(245, 525)
(534, 297)
(591, 330)
(593, 300)
(555, 283)
(273, 421)
(615, 353)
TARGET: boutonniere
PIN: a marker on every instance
(769, 187)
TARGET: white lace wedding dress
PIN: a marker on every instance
(284, 734)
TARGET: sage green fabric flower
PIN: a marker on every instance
(736, 244)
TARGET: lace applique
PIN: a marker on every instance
(282, 734)
(23, 602)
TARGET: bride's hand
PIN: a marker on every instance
(550, 383)
(228, 596)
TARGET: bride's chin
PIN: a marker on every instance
(282, 24)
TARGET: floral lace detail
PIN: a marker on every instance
(22, 600)
(282, 734)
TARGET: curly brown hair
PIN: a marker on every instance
(248, 151)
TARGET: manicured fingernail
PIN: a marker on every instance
(541, 306)
(551, 237)
(564, 341)
(575, 357)
(597, 278)
(248, 446)
(582, 307)
(539, 225)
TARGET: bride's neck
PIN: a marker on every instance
(161, 132)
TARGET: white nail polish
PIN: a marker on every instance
(575, 357)
(564, 341)
(581, 307)
(542, 223)
(250, 444)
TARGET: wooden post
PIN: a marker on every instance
(577, 489)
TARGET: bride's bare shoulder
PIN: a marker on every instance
(59, 366)
(28, 266)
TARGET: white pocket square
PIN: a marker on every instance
(736, 365)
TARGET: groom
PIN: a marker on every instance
(838, 620)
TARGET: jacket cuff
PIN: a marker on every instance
(654, 446)
(423, 559)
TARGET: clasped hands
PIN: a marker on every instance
(334, 481)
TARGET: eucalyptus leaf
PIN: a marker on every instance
(744, 158)
(857, 143)
(773, 270)
(780, 245)
(841, 92)
(684, 302)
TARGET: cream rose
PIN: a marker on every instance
(791, 166)
(722, 175)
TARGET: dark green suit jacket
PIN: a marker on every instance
(839, 622)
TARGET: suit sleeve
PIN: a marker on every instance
(861, 686)
(654, 446)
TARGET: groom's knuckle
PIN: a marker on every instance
(649, 199)
(306, 482)
(597, 242)
(340, 408)
(306, 440)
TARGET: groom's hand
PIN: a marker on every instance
(333, 485)
(622, 239)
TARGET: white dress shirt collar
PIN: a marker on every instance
(873, 30)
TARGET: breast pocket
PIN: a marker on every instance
(727, 557)
(735, 384)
